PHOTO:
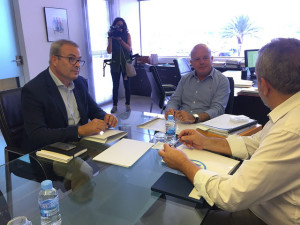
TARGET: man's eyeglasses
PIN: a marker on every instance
(73, 60)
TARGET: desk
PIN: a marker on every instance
(107, 195)
(249, 105)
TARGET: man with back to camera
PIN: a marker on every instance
(266, 187)
(56, 105)
(202, 94)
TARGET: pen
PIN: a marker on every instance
(176, 142)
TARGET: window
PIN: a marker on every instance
(98, 27)
(173, 27)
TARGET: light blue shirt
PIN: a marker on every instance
(194, 96)
(68, 97)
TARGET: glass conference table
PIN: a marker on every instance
(96, 193)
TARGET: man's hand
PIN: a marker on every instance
(92, 127)
(111, 120)
(170, 112)
(173, 157)
(184, 116)
(192, 138)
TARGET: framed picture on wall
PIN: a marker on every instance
(56, 24)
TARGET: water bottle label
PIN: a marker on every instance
(170, 131)
(49, 207)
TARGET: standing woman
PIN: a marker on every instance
(119, 44)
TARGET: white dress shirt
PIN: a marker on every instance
(68, 97)
(268, 181)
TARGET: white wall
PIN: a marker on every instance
(32, 33)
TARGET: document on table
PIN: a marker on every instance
(107, 136)
(209, 161)
(156, 123)
(159, 124)
(124, 153)
(226, 124)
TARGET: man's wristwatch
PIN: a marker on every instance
(196, 118)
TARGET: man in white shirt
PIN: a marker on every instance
(266, 187)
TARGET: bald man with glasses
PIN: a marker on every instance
(56, 104)
(202, 94)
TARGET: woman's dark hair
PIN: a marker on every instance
(124, 30)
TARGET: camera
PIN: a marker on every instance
(115, 32)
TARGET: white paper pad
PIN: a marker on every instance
(158, 145)
(159, 124)
(124, 153)
(108, 136)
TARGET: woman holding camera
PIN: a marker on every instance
(119, 44)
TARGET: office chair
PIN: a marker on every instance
(160, 93)
(11, 122)
(229, 107)
(182, 66)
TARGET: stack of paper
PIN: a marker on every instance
(61, 152)
(243, 83)
(226, 124)
(107, 136)
(250, 91)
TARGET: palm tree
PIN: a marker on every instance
(239, 27)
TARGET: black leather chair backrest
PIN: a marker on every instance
(157, 91)
(11, 119)
(229, 107)
(182, 66)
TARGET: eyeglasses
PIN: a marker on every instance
(73, 60)
(205, 58)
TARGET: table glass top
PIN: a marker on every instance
(95, 193)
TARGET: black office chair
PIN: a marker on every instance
(160, 93)
(229, 107)
(11, 122)
(182, 66)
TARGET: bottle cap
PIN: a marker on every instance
(47, 185)
(170, 117)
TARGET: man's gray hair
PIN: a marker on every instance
(57, 45)
(279, 63)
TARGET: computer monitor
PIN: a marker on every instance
(250, 59)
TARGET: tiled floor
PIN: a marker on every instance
(138, 103)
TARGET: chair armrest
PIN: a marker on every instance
(169, 86)
(169, 89)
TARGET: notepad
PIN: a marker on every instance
(159, 124)
(124, 153)
(156, 123)
(209, 161)
(107, 136)
(61, 153)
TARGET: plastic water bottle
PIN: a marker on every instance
(49, 204)
(170, 130)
